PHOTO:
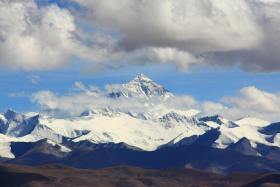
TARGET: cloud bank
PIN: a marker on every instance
(112, 34)
(249, 101)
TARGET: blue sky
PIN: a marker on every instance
(201, 83)
(183, 46)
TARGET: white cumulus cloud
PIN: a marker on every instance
(112, 34)
(249, 101)
(33, 37)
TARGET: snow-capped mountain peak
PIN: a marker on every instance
(252, 121)
(12, 115)
(140, 86)
(146, 128)
(16, 125)
(216, 119)
(141, 77)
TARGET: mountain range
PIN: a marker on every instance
(169, 138)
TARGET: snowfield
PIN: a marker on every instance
(147, 130)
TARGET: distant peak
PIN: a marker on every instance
(140, 86)
(215, 118)
(87, 113)
(10, 114)
(142, 77)
(10, 111)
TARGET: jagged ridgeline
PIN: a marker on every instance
(150, 138)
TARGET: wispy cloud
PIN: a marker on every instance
(20, 94)
(35, 79)
(250, 101)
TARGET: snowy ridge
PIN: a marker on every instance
(146, 130)
(141, 86)
(61, 147)
(142, 133)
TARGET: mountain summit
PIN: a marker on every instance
(140, 86)
(141, 77)
(108, 135)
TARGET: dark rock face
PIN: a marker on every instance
(273, 128)
(194, 155)
(191, 152)
(18, 125)
(244, 146)
(215, 118)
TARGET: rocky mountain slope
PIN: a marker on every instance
(149, 133)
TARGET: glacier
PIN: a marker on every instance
(147, 130)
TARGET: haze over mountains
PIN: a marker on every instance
(151, 138)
